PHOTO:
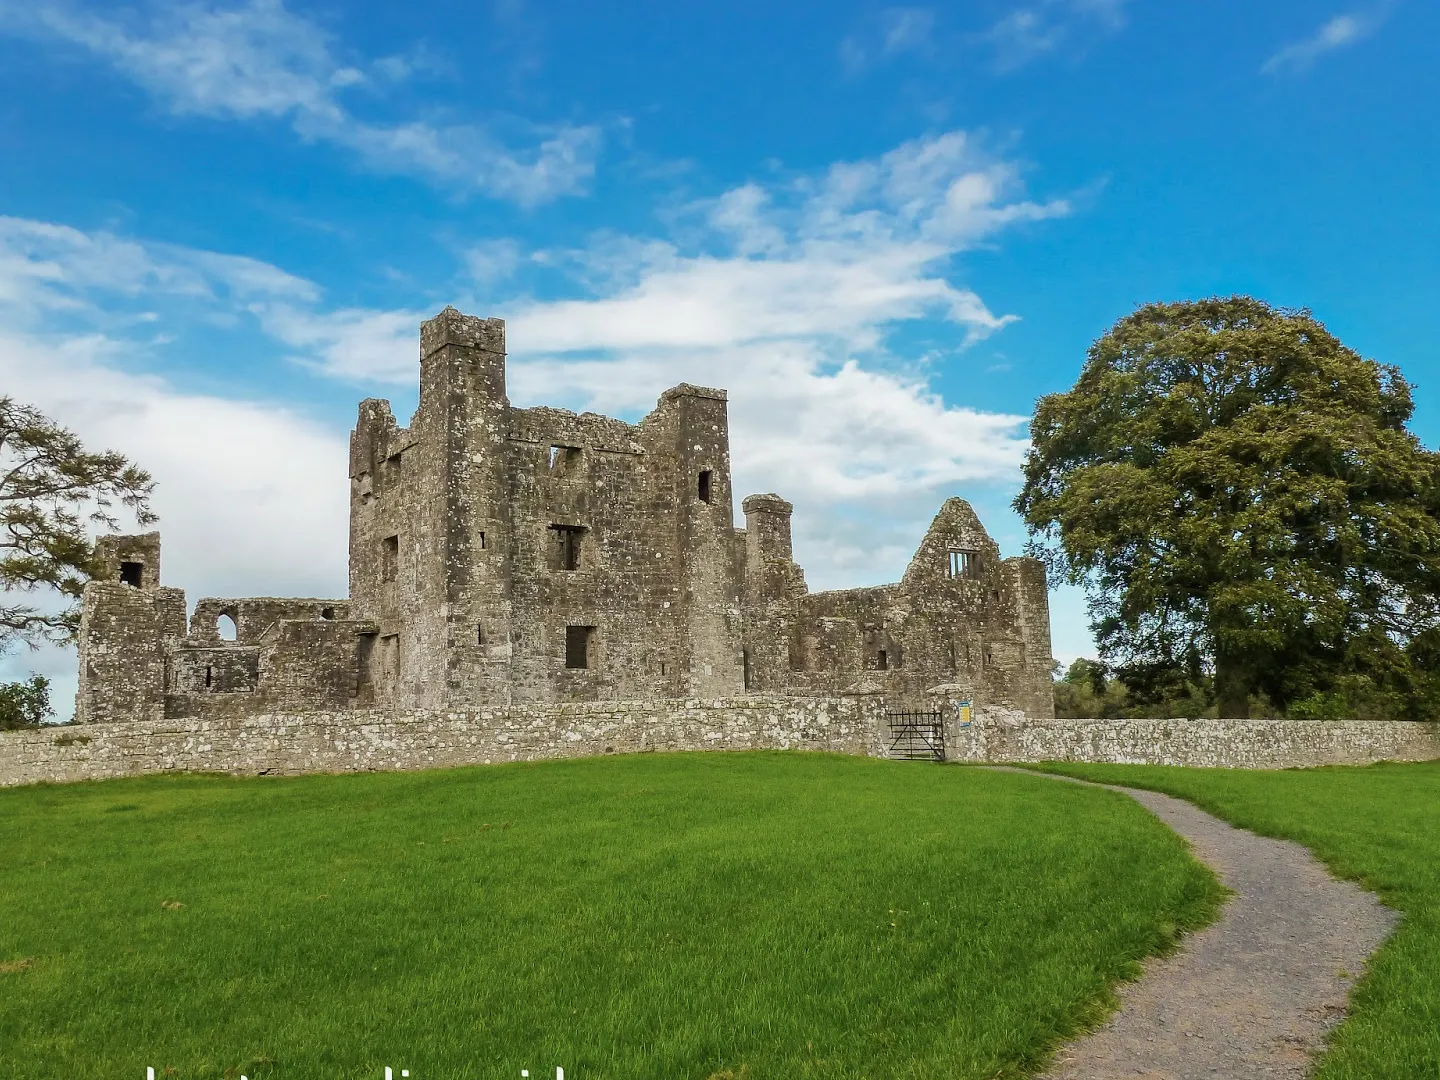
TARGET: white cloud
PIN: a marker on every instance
(354, 344)
(1047, 26)
(251, 497)
(47, 268)
(258, 60)
(1335, 33)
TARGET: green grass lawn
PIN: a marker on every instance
(655, 916)
(1378, 825)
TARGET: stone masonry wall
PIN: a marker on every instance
(999, 736)
(372, 741)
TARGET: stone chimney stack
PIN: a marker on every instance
(767, 529)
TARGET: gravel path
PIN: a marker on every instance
(1255, 993)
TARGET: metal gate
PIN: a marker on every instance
(916, 736)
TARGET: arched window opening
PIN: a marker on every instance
(225, 627)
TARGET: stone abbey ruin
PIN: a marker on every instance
(503, 556)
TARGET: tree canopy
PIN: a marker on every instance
(1239, 495)
(53, 493)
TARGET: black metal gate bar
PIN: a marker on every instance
(916, 736)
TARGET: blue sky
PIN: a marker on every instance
(886, 230)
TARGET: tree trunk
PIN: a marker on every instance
(1232, 688)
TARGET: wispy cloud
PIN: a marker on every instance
(1333, 34)
(260, 61)
(1050, 26)
(893, 31)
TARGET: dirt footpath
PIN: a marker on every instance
(1252, 995)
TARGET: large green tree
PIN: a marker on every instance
(1239, 495)
(53, 494)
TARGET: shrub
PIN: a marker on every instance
(24, 704)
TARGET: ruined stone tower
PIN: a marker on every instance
(501, 555)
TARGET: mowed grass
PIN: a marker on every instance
(1378, 825)
(656, 916)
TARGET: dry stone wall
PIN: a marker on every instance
(1002, 736)
(372, 741)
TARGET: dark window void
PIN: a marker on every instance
(882, 661)
(564, 460)
(389, 558)
(481, 535)
(479, 635)
(391, 471)
(131, 573)
(569, 548)
(745, 661)
(578, 646)
(963, 564)
(327, 613)
(703, 488)
(209, 677)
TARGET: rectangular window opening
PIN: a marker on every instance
(482, 540)
(745, 661)
(578, 641)
(882, 661)
(563, 460)
(703, 487)
(131, 573)
(389, 558)
(480, 634)
(209, 677)
(570, 539)
(963, 564)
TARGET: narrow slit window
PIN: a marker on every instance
(389, 558)
(131, 573)
(481, 535)
(963, 564)
(882, 661)
(578, 646)
(209, 677)
(745, 661)
(703, 486)
(479, 634)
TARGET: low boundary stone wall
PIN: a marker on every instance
(1000, 736)
(371, 740)
(367, 741)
